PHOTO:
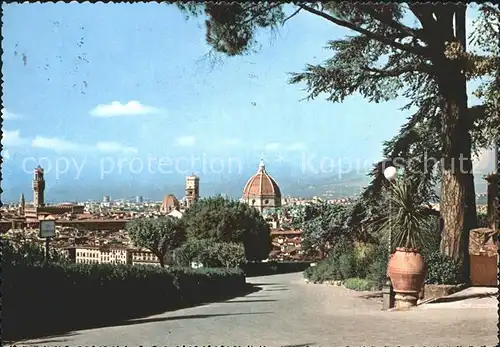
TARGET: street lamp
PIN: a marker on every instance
(390, 174)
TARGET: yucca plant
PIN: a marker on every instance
(407, 219)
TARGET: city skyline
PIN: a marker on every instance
(79, 95)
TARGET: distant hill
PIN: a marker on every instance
(291, 179)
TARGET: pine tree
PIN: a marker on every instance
(427, 63)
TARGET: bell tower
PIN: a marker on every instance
(38, 188)
(192, 189)
(22, 204)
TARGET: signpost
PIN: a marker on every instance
(47, 230)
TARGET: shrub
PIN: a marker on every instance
(377, 268)
(344, 259)
(433, 236)
(364, 254)
(482, 220)
(377, 273)
(367, 262)
(347, 265)
(325, 270)
(359, 284)
(339, 265)
(443, 269)
(29, 253)
(98, 292)
(344, 246)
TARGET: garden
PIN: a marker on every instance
(356, 253)
(429, 64)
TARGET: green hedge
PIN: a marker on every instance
(74, 295)
(352, 261)
(274, 267)
(325, 270)
(443, 269)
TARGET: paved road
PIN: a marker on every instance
(289, 312)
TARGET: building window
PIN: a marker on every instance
(266, 202)
(253, 202)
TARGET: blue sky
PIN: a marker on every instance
(86, 83)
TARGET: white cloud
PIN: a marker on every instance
(185, 141)
(117, 109)
(12, 138)
(273, 146)
(6, 115)
(60, 145)
(56, 144)
(114, 147)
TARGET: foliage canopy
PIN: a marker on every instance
(159, 235)
(226, 220)
(427, 62)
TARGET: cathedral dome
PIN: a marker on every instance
(261, 185)
(169, 203)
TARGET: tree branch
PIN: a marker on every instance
(292, 15)
(424, 15)
(392, 23)
(397, 72)
(404, 47)
(260, 13)
(424, 12)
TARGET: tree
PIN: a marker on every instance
(427, 63)
(211, 253)
(229, 221)
(325, 225)
(159, 235)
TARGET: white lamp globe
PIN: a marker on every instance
(390, 173)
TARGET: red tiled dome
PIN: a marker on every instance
(261, 184)
(170, 201)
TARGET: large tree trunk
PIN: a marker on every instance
(457, 202)
(161, 259)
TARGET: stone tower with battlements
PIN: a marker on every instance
(38, 188)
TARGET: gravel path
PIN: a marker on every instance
(289, 312)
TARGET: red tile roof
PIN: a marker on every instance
(261, 184)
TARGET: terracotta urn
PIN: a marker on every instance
(407, 270)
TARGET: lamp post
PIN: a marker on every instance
(390, 174)
(496, 159)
